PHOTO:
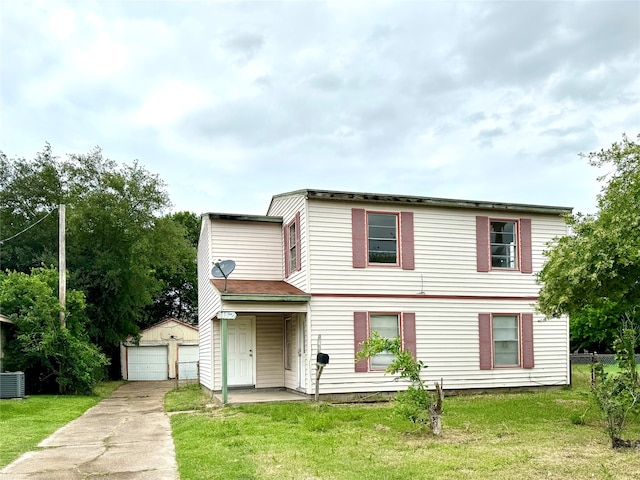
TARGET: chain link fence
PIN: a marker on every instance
(187, 373)
(589, 358)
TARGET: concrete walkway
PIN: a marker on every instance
(126, 436)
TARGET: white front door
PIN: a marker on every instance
(240, 352)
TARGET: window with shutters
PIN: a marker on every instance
(292, 246)
(506, 340)
(388, 325)
(503, 244)
(382, 239)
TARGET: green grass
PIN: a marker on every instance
(185, 398)
(26, 422)
(546, 434)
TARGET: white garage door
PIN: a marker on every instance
(147, 363)
(188, 362)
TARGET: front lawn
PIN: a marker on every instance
(554, 434)
(26, 422)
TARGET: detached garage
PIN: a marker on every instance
(165, 350)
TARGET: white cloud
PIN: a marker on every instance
(488, 100)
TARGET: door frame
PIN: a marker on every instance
(301, 348)
(252, 326)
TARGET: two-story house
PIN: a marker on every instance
(454, 279)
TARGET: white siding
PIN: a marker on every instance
(269, 351)
(256, 247)
(447, 341)
(208, 303)
(445, 254)
(444, 291)
(287, 207)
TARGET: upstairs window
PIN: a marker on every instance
(504, 246)
(383, 238)
(292, 247)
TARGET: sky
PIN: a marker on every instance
(231, 103)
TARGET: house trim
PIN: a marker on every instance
(427, 296)
(230, 297)
(332, 195)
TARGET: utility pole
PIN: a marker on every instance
(62, 264)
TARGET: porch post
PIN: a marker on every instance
(223, 328)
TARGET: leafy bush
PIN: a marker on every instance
(49, 353)
(618, 394)
(416, 403)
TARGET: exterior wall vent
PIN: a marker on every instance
(12, 385)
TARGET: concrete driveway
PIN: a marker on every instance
(126, 436)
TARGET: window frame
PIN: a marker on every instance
(396, 239)
(400, 335)
(518, 340)
(289, 266)
(516, 233)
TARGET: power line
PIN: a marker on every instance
(28, 228)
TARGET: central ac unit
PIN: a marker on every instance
(12, 385)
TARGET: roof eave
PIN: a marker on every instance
(242, 297)
(333, 195)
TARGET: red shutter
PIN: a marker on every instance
(298, 246)
(482, 244)
(360, 334)
(527, 340)
(526, 265)
(484, 325)
(406, 241)
(359, 237)
(409, 333)
(287, 267)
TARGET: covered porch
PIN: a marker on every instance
(267, 351)
(248, 396)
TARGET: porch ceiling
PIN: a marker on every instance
(259, 291)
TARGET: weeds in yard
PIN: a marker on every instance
(515, 436)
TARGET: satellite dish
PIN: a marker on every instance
(222, 269)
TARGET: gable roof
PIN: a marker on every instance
(167, 320)
(333, 195)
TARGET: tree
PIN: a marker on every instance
(119, 245)
(593, 274)
(179, 295)
(416, 403)
(47, 352)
